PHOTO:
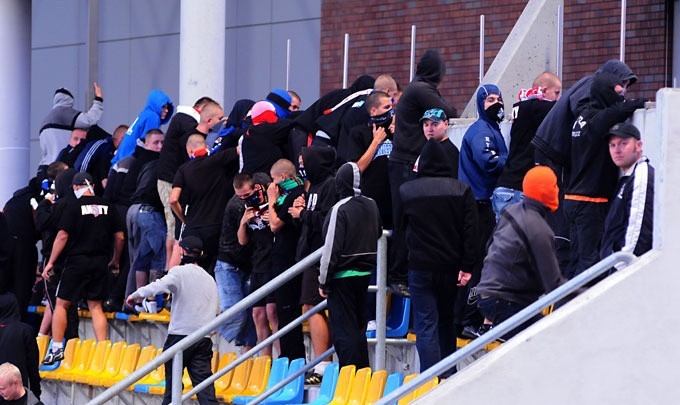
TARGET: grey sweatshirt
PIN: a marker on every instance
(194, 297)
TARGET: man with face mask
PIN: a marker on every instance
(482, 158)
(593, 175)
(87, 229)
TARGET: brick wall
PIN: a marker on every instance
(380, 39)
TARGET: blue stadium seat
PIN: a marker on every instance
(397, 319)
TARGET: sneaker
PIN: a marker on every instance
(400, 289)
(53, 357)
(372, 325)
(313, 379)
(150, 306)
(471, 332)
(129, 310)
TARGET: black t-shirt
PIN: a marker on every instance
(263, 145)
(286, 238)
(174, 151)
(374, 180)
(90, 222)
(261, 239)
(450, 150)
(206, 184)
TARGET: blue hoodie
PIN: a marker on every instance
(483, 151)
(149, 118)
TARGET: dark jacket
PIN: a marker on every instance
(483, 152)
(553, 137)
(235, 126)
(47, 215)
(146, 191)
(629, 223)
(346, 245)
(440, 216)
(18, 343)
(593, 173)
(521, 266)
(264, 144)
(229, 250)
(419, 96)
(319, 162)
(124, 174)
(174, 151)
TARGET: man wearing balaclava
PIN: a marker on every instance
(482, 157)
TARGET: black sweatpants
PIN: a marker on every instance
(197, 358)
(347, 315)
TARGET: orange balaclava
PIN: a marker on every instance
(540, 184)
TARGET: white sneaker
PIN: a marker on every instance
(372, 325)
(150, 306)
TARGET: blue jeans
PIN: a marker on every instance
(232, 286)
(151, 243)
(502, 197)
(433, 298)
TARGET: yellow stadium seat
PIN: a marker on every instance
(112, 364)
(128, 363)
(162, 316)
(43, 344)
(70, 351)
(223, 382)
(239, 379)
(259, 375)
(342, 388)
(147, 354)
(376, 387)
(81, 363)
(362, 379)
(100, 359)
(411, 396)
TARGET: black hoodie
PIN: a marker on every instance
(593, 174)
(346, 245)
(48, 215)
(440, 216)
(17, 343)
(419, 96)
(319, 162)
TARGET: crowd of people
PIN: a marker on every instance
(129, 217)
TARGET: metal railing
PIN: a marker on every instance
(176, 351)
(510, 324)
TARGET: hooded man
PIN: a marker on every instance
(440, 222)
(18, 343)
(521, 263)
(157, 111)
(281, 100)
(593, 175)
(419, 96)
(56, 128)
(265, 140)
(348, 259)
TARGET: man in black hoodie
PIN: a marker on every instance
(440, 221)
(593, 175)
(349, 257)
(419, 96)
(18, 343)
(312, 209)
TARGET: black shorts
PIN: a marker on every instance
(257, 280)
(310, 287)
(84, 276)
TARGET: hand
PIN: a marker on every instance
(323, 293)
(248, 214)
(114, 267)
(265, 215)
(300, 202)
(46, 271)
(273, 192)
(393, 125)
(49, 197)
(463, 278)
(130, 301)
(379, 134)
(295, 211)
(97, 90)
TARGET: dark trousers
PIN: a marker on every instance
(347, 316)
(498, 310)
(433, 298)
(197, 360)
(586, 225)
(288, 308)
(399, 173)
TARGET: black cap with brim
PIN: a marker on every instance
(192, 245)
(82, 179)
(624, 130)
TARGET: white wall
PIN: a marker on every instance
(615, 344)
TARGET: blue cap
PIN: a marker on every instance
(435, 115)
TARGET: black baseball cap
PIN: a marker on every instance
(82, 179)
(625, 130)
(192, 245)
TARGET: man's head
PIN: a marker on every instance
(55, 169)
(378, 103)
(201, 102)
(625, 146)
(118, 135)
(82, 184)
(490, 103)
(77, 136)
(153, 140)
(192, 249)
(281, 100)
(550, 85)
(435, 123)
(386, 84)
(282, 169)
(244, 185)
(11, 386)
(295, 101)
(211, 114)
(194, 143)
(263, 112)
(540, 184)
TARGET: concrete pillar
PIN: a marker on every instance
(15, 92)
(201, 50)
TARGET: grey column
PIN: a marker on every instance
(15, 76)
(201, 50)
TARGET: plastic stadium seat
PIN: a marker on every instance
(94, 364)
(113, 363)
(147, 354)
(342, 388)
(362, 379)
(259, 375)
(276, 374)
(70, 351)
(294, 391)
(223, 382)
(81, 362)
(128, 363)
(376, 387)
(239, 379)
(328, 384)
(411, 396)
(393, 382)
(43, 344)
(425, 388)
(397, 319)
(100, 361)
(162, 316)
